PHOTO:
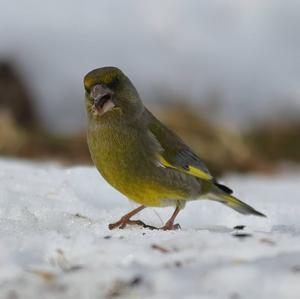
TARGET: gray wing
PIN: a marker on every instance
(176, 154)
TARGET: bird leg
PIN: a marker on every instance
(170, 223)
(126, 220)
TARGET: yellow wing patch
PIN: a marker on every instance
(199, 173)
(194, 171)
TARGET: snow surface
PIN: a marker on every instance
(54, 240)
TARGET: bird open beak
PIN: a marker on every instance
(102, 97)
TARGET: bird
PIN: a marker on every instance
(141, 157)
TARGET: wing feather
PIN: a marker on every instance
(175, 153)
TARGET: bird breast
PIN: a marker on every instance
(126, 159)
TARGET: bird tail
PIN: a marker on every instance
(232, 202)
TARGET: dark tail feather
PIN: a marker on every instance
(223, 188)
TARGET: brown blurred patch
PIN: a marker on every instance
(277, 140)
(19, 142)
(19, 135)
(15, 99)
(12, 137)
(66, 149)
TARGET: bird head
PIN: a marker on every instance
(110, 95)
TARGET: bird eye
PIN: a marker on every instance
(115, 81)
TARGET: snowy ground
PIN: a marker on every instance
(54, 240)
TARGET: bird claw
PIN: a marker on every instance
(171, 226)
(121, 224)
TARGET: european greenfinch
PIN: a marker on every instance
(141, 157)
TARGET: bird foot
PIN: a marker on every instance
(171, 226)
(125, 221)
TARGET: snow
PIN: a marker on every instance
(54, 240)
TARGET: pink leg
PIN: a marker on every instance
(170, 223)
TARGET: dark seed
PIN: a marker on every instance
(239, 227)
(137, 280)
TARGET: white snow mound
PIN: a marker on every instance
(54, 240)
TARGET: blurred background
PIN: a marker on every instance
(225, 75)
